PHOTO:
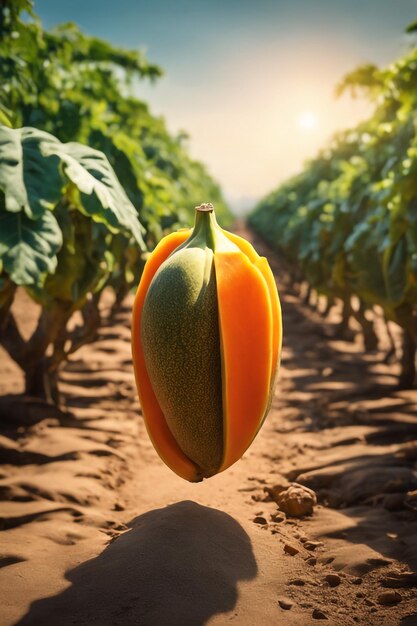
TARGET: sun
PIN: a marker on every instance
(307, 121)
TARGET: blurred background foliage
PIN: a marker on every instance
(348, 221)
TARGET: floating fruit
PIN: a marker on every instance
(206, 339)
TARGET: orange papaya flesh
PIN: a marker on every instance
(159, 433)
(243, 245)
(246, 331)
(262, 264)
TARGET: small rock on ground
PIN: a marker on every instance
(285, 604)
(296, 500)
(290, 549)
(389, 597)
(332, 579)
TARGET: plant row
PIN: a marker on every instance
(90, 181)
(348, 221)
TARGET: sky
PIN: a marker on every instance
(251, 81)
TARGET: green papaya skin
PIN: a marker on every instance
(181, 343)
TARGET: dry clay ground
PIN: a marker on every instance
(97, 531)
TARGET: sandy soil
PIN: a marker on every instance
(96, 530)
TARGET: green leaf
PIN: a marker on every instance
(33, 169)
(103, 198)
(29, 181)
(28, 247)
(4, 119)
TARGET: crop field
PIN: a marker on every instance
(201, 421)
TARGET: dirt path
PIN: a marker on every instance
(96, 530)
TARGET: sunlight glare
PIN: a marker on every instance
(308, 121)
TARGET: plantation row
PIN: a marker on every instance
(87, 187)
(348, 223)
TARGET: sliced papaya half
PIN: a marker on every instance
(246, 335)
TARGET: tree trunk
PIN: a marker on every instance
(408, 361)
(41, 382)
(343, 329)
(370, 337)
(120, 294)
(308, 295)
(391, 355)
(41, 371)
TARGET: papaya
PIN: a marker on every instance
(206, 343)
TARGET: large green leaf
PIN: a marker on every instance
(29, 181)
(35, 166)
(102, 195)
(28, 247)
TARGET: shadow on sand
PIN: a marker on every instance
(179, 565)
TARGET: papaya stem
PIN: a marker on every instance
(207, 232)
(204, 227)
(206, 207)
